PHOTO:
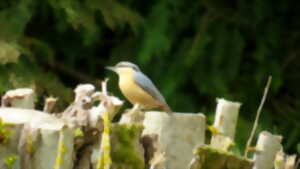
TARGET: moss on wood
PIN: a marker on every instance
(210, 158)
(125, 154)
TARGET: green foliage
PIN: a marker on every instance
(194, 51)
(9, 53)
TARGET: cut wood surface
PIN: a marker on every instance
(73, 139)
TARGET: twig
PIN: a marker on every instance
(104, 86)
(257, 115)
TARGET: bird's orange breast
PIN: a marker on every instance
(134, 93)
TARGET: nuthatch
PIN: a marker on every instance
(138, 88)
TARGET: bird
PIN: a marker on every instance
(138, 88)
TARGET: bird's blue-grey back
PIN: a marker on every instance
(145, 83)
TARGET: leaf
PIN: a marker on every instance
(76, 13)
(116, 14)
(8, 53)
(13, 20)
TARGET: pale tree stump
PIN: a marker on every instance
(72, 139)
(225, 124)
(266, 149)
(175, 135)
(34, 139)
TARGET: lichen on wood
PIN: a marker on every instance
(211, 158)
(126, 151)
(61, 149)
(10, 161)
(4, 132)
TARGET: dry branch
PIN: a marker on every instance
(248, 144)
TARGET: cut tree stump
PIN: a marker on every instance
(175, 135)
(83, 136)
(33, 140)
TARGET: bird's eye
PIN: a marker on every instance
(135, 68)
(121, 66)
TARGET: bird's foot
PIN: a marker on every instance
(133, 115)
(136, 108)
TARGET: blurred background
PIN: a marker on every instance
(194, 51)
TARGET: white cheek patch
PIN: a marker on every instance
(123, 70)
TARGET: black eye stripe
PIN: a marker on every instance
(136, 69)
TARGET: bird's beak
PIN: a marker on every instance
(111, 68)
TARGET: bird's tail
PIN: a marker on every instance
(167, 109)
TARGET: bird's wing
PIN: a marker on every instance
(145, 83)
